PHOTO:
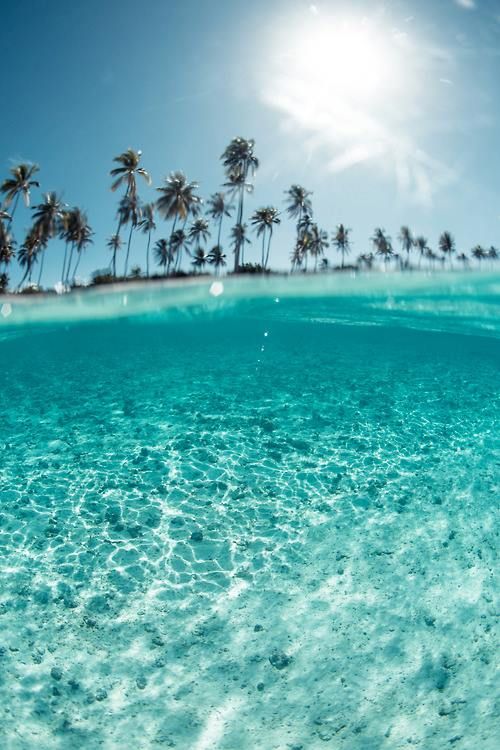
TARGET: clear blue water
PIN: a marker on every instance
(264, 519)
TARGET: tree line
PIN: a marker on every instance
(194, 227)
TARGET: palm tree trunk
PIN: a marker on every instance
(69, 263)
(41, 268)
(14, 208)
(64, 262)
(75, 269)
(170, 241)
(24, 277)
(268, 247)
(128, 248)
(114, 263)
(263, 249)
(220, 229)
(237, 249)
(147, 255)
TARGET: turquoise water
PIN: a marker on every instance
(258, 516)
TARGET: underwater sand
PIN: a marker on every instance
(262, 520)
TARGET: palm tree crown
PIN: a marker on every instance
(299, 201)
(264, 219)
(178, 197)
(341, 240)
(129, 168)
(199, 231)
(20, 183)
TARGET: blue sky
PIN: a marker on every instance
(387, 111)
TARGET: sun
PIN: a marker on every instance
(342, 58)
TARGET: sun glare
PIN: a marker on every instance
(345, 59)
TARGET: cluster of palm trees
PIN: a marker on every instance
(192, 225)
(51, 218)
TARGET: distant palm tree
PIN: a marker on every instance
(83, 241)
(178, 200)
(217, 258)
(264, 219)
(163, 254)
(128, 170)
(422, 247)
(366, 260)
(7, 246)
(298, 201)
(217, 208)
(382, 244)
(239, 239)
(114, 244)
(199, 231)
(479, 253)
(462, 257)
(130, 212)
(297, 254)
(179, 241)
(304, 229)
(239, 162)
(200, 258)
(317, 243)
(28, 253)
(493, 253)
(47, 217)
(447, 244)
(71, 226)
(19, 184)
(407, 242)
(148, 225)
(341, 241)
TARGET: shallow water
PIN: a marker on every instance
(265, 519)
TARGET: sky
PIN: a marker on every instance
(388, 112)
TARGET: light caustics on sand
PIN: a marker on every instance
(264, 518)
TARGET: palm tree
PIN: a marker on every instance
(178, 200)
(84, 239)
(114, 244)
(367, 260)
(317, 243)
(264, 219)
(341, 241)
(422, 247)
(198, 231)
(407, 242)
(492, 253)
(462, 257)
(217, 208)
(239, 239)
(33, 244)
(71, 226)
(239, 162)
(200, 259)
(127, 172)
(7, 246)
(447, 244)
(299, 203)
(20, 183)
(479, 253)
(47, 217)
(179, 242)
(382, 244)
(297, 254)
(148, 225)
(304, 229)
(129, 212)
(217, 258)
(163, 254)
